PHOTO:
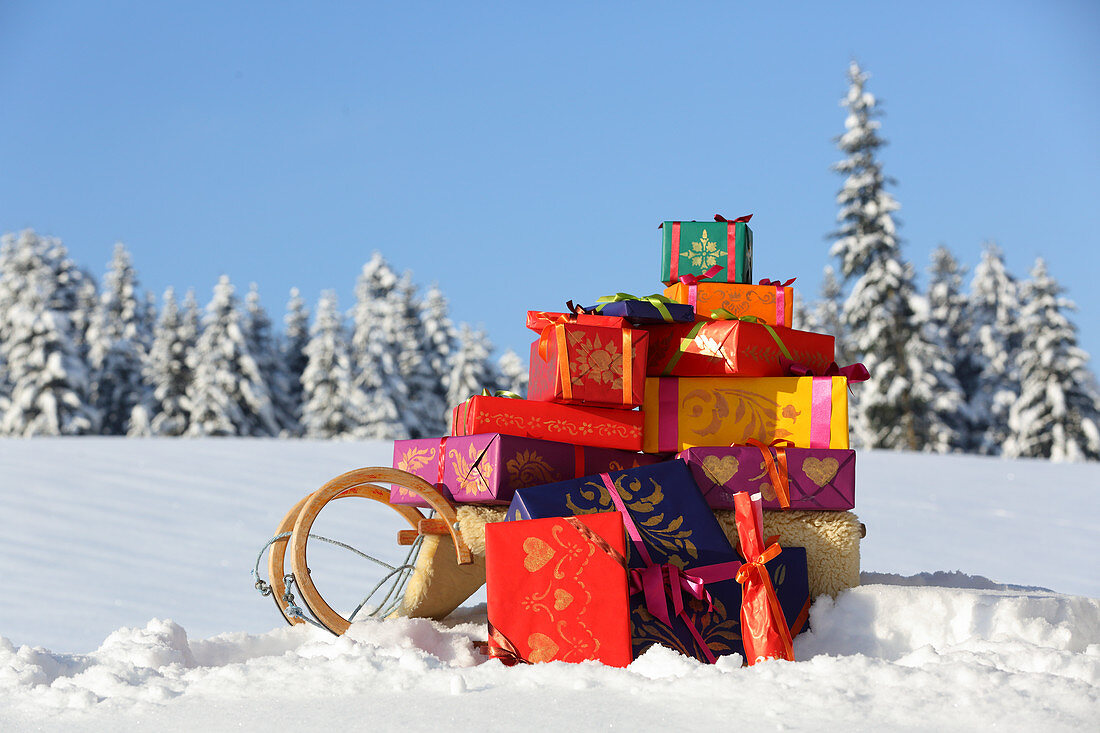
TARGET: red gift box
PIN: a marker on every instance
(600, 427)
(557, 589)
(586, 359)
(734, 347)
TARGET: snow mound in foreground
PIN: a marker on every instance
(903, 657)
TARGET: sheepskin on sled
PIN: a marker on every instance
(439, 584)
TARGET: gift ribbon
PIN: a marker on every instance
(731, 242)
(675, 271)
(556, 330)
(777, 467)
(692, 281)
(821, 412)
(764, 629)
(780, 299)
(502, 648)
(724, 315)
(663, 583)
(668, 407)
(660, 302)
(439, 463)
(501, 393)
(685, 342)
(853, 372)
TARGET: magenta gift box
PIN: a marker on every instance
(819, 478)
(487, 468)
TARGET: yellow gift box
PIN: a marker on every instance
(686, 412)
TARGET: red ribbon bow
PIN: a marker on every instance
(662, 583)
(739, 220)
(764, 629)
(696, 279)
(776, 283)
(853, 372)
(777, 467)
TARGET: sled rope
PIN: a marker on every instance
(397, 577)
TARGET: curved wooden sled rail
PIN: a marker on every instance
(359, 483)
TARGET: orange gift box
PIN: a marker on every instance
(585, 359)
(688, 412)
(732, 347)
(600, 427)
(556, 589)
(770, 303)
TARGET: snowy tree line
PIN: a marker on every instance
(77, 358)
(994, 369)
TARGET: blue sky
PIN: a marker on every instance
(522, 155)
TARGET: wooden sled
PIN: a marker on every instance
(444, 555)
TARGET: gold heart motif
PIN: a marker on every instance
(562, 598)
(720, 470)
(767, 492)
(820, 472)
(538, 553)
(542, 646)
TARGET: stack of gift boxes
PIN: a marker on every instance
(650, 424)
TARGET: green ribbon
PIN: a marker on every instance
(501, 393)
(685, 342)
(657, 301)
(724, 315)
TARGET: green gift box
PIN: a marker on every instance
(694, 247)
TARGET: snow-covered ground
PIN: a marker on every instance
(980, 608)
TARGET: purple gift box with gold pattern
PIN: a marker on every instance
(821, 479)
(487, 468)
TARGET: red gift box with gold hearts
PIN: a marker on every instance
(820, 479)
(557, 589)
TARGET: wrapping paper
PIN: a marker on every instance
(692, 247)
(554, 593)
(640, 311)
(771, 304)
(678, 529)
(765, 632)
(576, 362)
(732, 347)
(685, 412)
(600, 427)
(487, 468)
(820, 479)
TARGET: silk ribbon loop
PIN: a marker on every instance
(776, 283)
(502, 648)
(761, 628)
(777, 467)
(693, 280)
(660, 302)
(552, 322)
(661, 584)
(501, 393)
(724, 315)
(853, 372)
(739, 220)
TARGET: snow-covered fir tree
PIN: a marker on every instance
(118, 344)
(1057, 415)
(949, 332)
(379, 392)
(227, 394)
(513, 374)
(167, 370)
(264, 348)
(993, 384)
(440, 341)
(293, 347)
(424, 413)
(883, 316)
(471, 370)
(46, 382)
(326, 379)
(825, 316)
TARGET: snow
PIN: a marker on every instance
(955, 629)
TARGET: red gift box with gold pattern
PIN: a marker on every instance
(771, 303)
(557, 589)
(586, 359)
(601, 427)
(733, 347)
(684, 412)
(488, 468)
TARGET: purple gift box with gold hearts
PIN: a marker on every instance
(822, 479)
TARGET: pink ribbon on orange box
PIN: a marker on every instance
(821, 399)
(764, 629)
(780, 299)
(777, 467)
(692, 281)
(663, 583)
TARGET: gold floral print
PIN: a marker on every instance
(474, 477)
(704, 253)
(596, 361)
(530, 468)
